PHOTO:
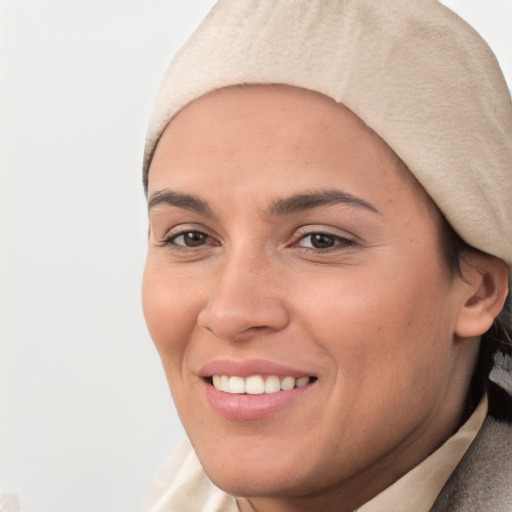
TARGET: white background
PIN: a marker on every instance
(86, 418)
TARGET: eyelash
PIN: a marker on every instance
(339, 243)
(170, 241)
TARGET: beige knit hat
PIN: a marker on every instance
(412, 70)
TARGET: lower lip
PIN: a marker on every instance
(252, 407)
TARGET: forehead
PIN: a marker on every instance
(280, 110)
(244, 125)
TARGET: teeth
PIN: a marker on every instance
(224, 383)
(236, 385)
(272, 384)
(256, 384)
(287, 383)
(301, 381)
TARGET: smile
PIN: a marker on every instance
(252, 389)
(256, 384)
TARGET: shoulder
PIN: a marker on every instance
(482, 480)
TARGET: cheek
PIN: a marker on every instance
(385, 333)
(393, 357)
(170, 309)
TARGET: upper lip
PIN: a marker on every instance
(248, 367)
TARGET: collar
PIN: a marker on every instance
(418, 489)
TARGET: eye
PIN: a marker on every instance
(323, 241)
(318, 240)
(189, 239)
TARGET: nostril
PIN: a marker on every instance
(238, 309)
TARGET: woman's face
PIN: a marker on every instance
(289, 247)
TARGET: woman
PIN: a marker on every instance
(329, 190)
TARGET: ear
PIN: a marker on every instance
(484, 290)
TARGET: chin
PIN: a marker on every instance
(256, 480)
(256, 472)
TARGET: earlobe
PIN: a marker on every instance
(484, 291)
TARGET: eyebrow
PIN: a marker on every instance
(316, 199)
(286, 206)
(186, 201)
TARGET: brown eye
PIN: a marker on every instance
(189, 239)
(194, 238)
(322, 240)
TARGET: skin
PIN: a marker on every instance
(376, 317)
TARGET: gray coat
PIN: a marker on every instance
(482, 482)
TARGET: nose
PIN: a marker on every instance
(246, 299)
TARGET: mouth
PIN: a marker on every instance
(251, 389)
(257, 384)
(254, 389)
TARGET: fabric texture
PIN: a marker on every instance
(412, 70)
(482, 481)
